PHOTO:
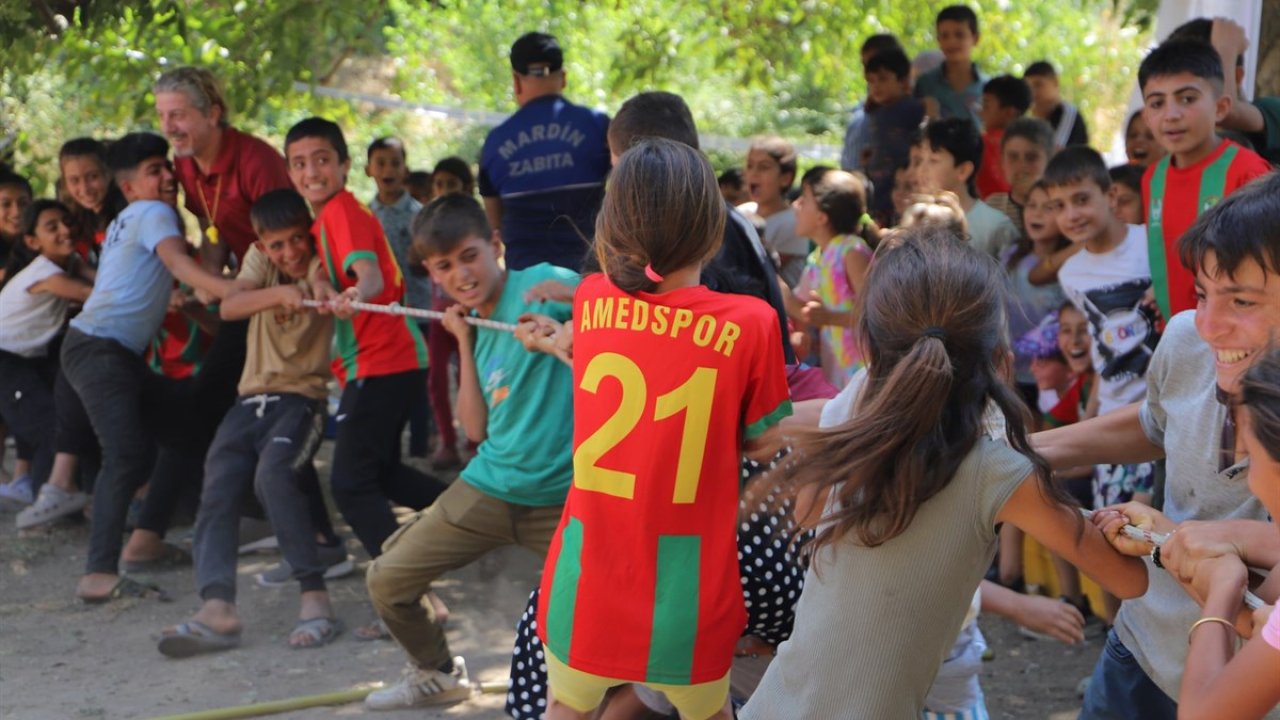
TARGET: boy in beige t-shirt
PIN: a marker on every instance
(269, 436)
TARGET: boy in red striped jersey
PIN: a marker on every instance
(381, 359)
(1183, 100)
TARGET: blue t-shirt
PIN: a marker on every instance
(547, 163)
(131, 292)
(952, 104)
(527, 455)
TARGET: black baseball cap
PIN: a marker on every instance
(539, 50)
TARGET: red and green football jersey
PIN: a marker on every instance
(179, 348)
(369, 344)
(1175, 197)
(641, 581)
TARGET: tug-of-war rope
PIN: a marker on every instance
(397, 309)
(1253, 602)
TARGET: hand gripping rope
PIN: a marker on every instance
(398, 309)
(1253, 602)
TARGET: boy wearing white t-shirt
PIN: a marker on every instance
(1109, 280)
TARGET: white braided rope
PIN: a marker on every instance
(397, 309)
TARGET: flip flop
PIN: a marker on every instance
(195, 638)
(127, 587)
(321, 630)
(171, 557)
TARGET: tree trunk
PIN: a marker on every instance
(1269, 49)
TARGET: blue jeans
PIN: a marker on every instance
(1121, 690)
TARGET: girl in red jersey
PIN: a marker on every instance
(672, 381)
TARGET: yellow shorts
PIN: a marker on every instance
(584, 692)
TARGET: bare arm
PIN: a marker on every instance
(1055, 527)
(63, 286)
(1045, 272)
(1215, 684)
(1060, 620)
(1116, 437)
(1228, 38)
(247, 300)
(471, 408)
(368, 278)
(172, 251)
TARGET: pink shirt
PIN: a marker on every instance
(1271, 631)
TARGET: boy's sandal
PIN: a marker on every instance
(195, 638)
(318, 632)
(127, 587)
(171, 557)
(376, 630)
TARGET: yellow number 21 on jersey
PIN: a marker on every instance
(694, 397)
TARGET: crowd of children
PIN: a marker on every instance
(755, 404)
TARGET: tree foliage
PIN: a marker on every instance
(746, 66)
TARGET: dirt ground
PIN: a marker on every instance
(62, 660)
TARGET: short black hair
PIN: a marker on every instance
(1244, 225)
(1260, 393)
(458, 168)
(318, 127)
(959, 13)
(878, 43)
(1040, 68)
(1009, 91)
(387, 143)
(1077, 163)
(652, 114)
(1128, 175)
(1031, 129)
(129, 151)
(731, 176)
(895, 61)
(419, 177)
(959, 137)
(1173, 57)
(444, 223)
(279, 209)
(1200, 30)
(8, 178)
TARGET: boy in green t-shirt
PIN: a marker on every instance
(518, 406)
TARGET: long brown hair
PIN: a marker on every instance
(932, 326)
(663, 209)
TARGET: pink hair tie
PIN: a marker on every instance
(652, 274)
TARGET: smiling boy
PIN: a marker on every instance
(518, 406)
(381, 358)
(1183, 101)
(954, 89)
(102, 355)
(1189, 418)
(270, 432)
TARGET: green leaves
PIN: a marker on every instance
(74, 67)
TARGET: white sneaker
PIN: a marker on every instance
(52, 503)
(418, 688)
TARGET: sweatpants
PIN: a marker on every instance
(263, 443)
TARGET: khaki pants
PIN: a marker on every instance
(459, 527)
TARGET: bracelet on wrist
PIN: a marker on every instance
(1221, 621)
